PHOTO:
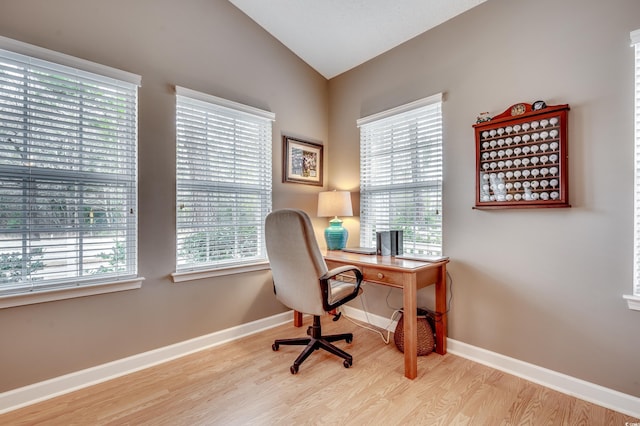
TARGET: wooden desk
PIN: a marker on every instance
(410, 276)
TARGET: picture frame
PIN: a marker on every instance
(302, 161)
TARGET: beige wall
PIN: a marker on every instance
(205, 45)
(542, 286)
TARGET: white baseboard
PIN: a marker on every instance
(599, 395)
(47, 389)
(605, 397)
(37, 392)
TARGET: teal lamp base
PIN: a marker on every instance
(335, 235)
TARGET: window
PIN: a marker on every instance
(223, 189)
(68, 172)
(634, 301)
(401, 175)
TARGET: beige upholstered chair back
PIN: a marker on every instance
(296, 261)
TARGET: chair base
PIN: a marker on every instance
(314, 342)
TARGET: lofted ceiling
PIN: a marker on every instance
(333, 36)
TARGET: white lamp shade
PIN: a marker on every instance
(334, 203)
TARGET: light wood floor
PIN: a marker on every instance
(246, 383)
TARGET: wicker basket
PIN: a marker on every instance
(426, 341)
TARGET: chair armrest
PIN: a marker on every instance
(325, 285)
(341, 270)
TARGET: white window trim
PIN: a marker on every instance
(22, 299)
(430, 100)
(634, 300)
(204, 97)
(13, 300)
(209, 271)
(393, 113)
(70, 61)
(179, 277)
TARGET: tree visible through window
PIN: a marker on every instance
(223, 189)
(401, 175)
(68, 143)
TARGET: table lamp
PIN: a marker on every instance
(335, 203)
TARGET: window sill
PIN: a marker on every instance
(68, 293)
(179, 277)
(633, 301)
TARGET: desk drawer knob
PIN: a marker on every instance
(380, 275)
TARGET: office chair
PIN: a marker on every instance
(303, 282)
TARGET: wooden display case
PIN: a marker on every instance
(522, 158)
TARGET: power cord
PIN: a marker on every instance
(397, 311)
(386, 339)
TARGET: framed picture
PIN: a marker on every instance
(302, 161)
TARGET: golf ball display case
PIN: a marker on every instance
(522, 158)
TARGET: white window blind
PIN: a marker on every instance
(223, 181)
(401, 175)
(635, 40)
(68, 172)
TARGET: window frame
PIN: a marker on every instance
(633, 300)
(79, 286)
(231, 111)
(429, 183)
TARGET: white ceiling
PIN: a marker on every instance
(333, 36)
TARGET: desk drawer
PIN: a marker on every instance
(382, 276)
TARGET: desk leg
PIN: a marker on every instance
(410, 326)
(297, 319)
(441, 309)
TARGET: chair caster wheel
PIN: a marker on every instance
(347, 363)
(294, 369)
(275, 347)
(348, 339)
